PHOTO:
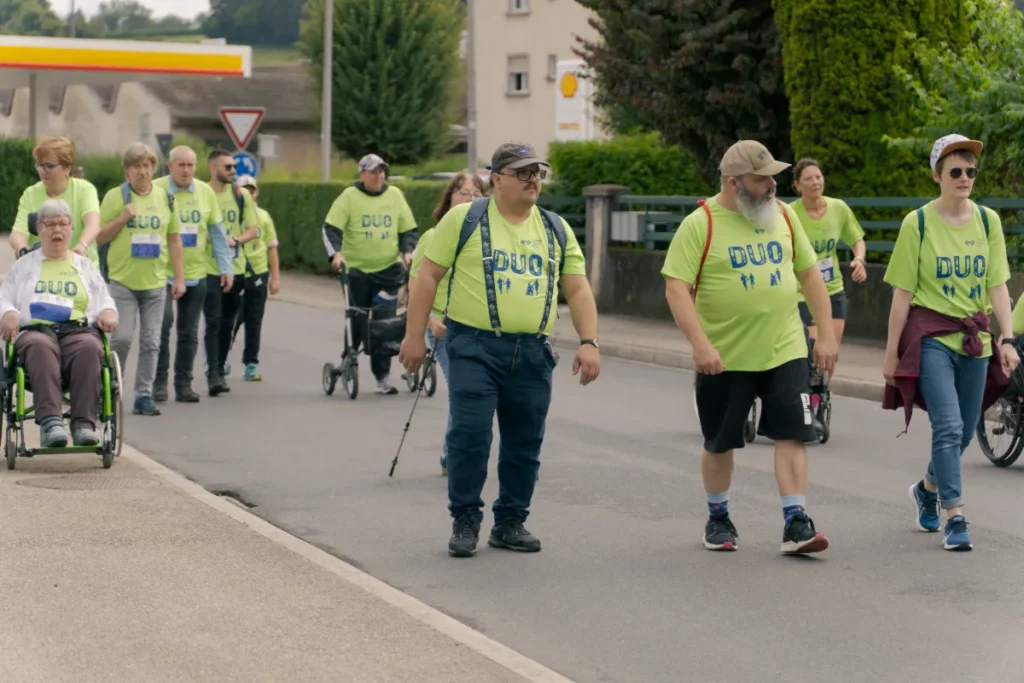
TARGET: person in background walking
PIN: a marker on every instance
(144, 236)
(948, 272)
(262, 254)
(463, 188)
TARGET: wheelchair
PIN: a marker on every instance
(382, 331)
(14, 408)
(1000, 430)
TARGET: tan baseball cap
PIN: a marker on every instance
(750, 156)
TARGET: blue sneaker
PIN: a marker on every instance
(956, 537)
(927, 506)
(144, 405)
(252, 373)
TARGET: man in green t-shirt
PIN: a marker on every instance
(735, 300)
(262, 254)
(508, 259)
(201, 224)
(371, 230)
(221, 306)
(138, 221)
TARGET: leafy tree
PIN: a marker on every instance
(394, 63)
(29, 18)
(975, 90)
(703, 73)
(118, 16)
(255, 22)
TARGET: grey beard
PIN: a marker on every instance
(758, 211)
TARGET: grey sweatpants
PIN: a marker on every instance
(148, 306)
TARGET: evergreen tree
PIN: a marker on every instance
(394, 67)
(703, 73)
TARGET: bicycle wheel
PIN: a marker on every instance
(750, 427)
(1001, 432)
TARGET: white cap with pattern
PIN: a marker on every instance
(952, 143)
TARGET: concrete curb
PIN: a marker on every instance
(841, 386)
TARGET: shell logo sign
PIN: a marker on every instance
(569, 84)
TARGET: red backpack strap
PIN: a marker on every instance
(792, 237)
(707, 245)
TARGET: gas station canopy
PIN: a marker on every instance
(39, 63)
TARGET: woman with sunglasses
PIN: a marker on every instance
(948, 272)
(54, 159)
(463, 188)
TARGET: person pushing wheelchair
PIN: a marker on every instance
(59, 297)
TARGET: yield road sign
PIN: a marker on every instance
(241, 123)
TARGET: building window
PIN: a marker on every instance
(518, 75)
(518, 6)
(552, 67)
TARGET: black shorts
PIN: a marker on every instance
(724, 400)
(838, 308)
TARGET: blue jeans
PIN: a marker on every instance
(441, 355)
(953, 386)
(510, 375)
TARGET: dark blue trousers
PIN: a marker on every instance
(509, 375)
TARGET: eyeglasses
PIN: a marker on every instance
(46, 167)
(229, 167)
(55, 225)
(971, 172)
(527, 176)
(472, 194)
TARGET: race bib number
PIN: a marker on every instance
(50, 308)
(827, 269)
(145, 245)
(190, 236)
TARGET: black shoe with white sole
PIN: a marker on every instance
(720, 534)
(464, 538)
(800, 537)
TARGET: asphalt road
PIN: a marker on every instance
(623, 590)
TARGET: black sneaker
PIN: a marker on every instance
(184, 394)
(721, 534)
(160, 392)
(217, 385)
(800, 538)
(512, 535)
(464, 537)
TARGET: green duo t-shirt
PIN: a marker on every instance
(748, 291)
(138, 258)
(234, 226)
(197, 211)
(370, 226)
(838, 223)
(1018, 317)
(258, 249)
(59, 295)
(441, 298)
(81, 197)
(952, 269)
(520, 258)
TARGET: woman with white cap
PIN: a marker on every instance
(948, 272)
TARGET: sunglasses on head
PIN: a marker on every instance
(955, 173)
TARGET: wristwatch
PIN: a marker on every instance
(1007, 340)
(592, 342)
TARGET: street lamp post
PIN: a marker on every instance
(470, 90)
(325, 105)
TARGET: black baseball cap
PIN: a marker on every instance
(514, 155)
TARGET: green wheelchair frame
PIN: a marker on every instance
(15, 410)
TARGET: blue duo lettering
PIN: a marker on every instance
(370, 220)
(824, 246)
(960, 266)
(519, 264)
(756, 254)
(231, 215)
(145, 222)
(192, 217)
(57, 288)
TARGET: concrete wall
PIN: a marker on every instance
(632, 284)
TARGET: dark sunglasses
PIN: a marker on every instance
(955, 173)
(231, 167)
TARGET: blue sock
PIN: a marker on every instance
(792, 506)
(718, 505)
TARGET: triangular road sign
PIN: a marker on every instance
(241, 123)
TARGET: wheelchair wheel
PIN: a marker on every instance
(1002, 437)
(430, 379)
(329, 379)
(117, 409)
(750, 427)
(350, 376)
(412, 381)
(825, 417)
(11, 447)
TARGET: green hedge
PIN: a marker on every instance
(299, 210)
(17, 171)
(843, 92)
(643, 163)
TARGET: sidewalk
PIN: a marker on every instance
(136, 575)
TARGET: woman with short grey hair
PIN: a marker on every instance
(49, 303)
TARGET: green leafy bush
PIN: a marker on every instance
(17, 171)
(643, 163)
(844, 95)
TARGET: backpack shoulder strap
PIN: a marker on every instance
(984, 218)
(789, 224)
(555, 223)
(126, 194)
(240, 198)
(473, 216)
(33, 227)
(920, 223)
(170, 200)
(707, 245)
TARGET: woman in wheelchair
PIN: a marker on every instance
(51, 303)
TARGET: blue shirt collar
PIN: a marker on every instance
(175, 189)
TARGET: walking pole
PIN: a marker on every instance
(419, 390)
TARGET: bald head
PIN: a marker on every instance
(182, 164)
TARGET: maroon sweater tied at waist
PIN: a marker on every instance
(923, 323)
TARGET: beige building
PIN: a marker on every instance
(517, 45)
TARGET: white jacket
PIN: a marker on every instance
(20, 284)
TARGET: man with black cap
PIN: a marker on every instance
(370, 228)
(733, 272)
(508, 258)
